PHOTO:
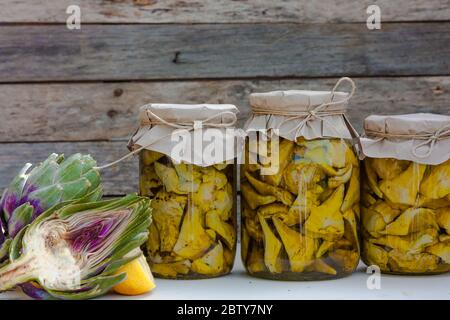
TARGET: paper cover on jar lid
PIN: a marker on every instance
(302, 113)
(158, 123)
(420, 137)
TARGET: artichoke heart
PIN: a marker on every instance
(373, 222)
(274, 209)
(299, 176)
(268, 190)
(388, 168)
(253, 199)
(321, 266)
(443, 219)
(223, 229)
(171, 269)
(442, 250)
(255, 261)
(336, 181)
(403, 188)
(388, 212)
(272, 248)
(171, 181)
(193, 240)
(300, 249)
(285, 155)
(410, 220)
(327, 152)
(167, 214)
(413, 243)
(301, 208)
(346, 259)
(326, 221)
(352, 195)
(437, 184)
(351, 227)
(371, 178)
(153, 240)
(211, 263)
(412, 263)
(375, 255)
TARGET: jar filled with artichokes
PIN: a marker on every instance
(405, 207)
(193, 234)
(300, 186)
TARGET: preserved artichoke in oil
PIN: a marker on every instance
(302, 222)
(193, 234)
(406, 216)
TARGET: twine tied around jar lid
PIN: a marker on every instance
(319, 112)
(189, 126)
(428, 139)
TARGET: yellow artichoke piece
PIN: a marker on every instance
(373, 222)
(254, 228)
(412, 220)
(326, 221)
(301, 208)
(268, 190)
(443, 219)
(212, 234)
(298, 176)
(351, 228)
(347, 260)
(403, 188)
(148, 181)
(425, 202)
(321, 266)
(170, 180)
(274, 209)
(388, 212)
(225, 230)
(148, 157)
(299, 248)
(253, 199)
(255, 261)
(436, 185)
(221, 166)
(388, 168)
(324, 247)
(327, 152)
(272, 248)
(205, 195)
(367, 199)
(218, 178)
(284, 157)
(350, 157)
(412, 263)
(167, 214)
(371, 178)
(193, 240)
(153, 240)
(413, 243)
(171, 270)
(444, 237)
(212, 263)
(336, 181)
(228, 256)
(442, 250)
(223, 202)
(245, 242)
(189, 176)
(375, 255)
(353, 191)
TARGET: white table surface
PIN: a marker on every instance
(239, 286)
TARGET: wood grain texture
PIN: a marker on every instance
(103, 111)
(222, 11)
(144, 52)
(118, 180)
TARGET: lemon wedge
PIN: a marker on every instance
(139, 278)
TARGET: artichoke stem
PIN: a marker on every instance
(16, 272)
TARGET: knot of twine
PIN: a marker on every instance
(319, 112)
(428, 139)
(189, 126)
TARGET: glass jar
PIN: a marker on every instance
(405, 200)
(193, 233)
(300, 196)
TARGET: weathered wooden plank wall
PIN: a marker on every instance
(79, 91)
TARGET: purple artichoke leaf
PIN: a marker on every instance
(21, 217)
(45, 198)
(34, 291)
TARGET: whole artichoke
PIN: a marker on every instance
(54, 181)
(75, 251)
